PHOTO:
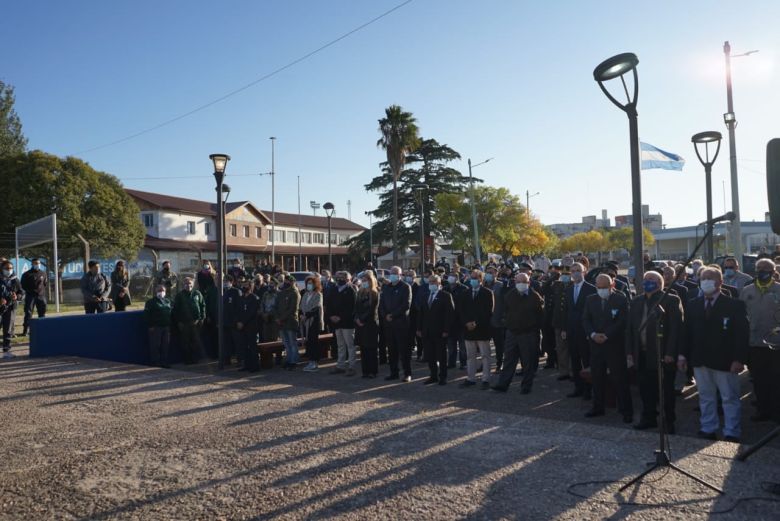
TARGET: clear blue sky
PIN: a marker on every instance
(505, 79)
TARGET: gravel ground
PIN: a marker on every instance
(86, 439)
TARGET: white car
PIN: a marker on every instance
(300, 278)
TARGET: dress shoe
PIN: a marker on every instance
(525, 390)
(485, 385)
(593, 413)
(391, 377)
(430, 381)
(644, 425)
(575, 394)
(442, 381)
(731, 439)
(549, 366)
(498, 388)
(337, 370)
(467, 383)
(407, 379)
(564, 377)
(707, 435)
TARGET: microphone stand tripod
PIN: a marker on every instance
(662, 456)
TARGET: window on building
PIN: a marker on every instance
(293, 237)
(319, 238)
(246, 231)
(306, 237)
(207, 227)
(148, 219)
(334, 239)
(258, 232)
(234, 230)
(279, 236)
(191, 227)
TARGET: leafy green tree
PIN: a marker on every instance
(87, 202)
(428, 165)
(504, 224)
(399, 138)
(623, 238)
(12, 141)
(592, 242)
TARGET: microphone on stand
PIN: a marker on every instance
(728, 216)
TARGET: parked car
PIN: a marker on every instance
(748, 264)
(300, 278)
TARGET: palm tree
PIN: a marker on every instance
(399, 138)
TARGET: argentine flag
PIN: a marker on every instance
(653, 157)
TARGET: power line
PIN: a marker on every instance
(248, 85)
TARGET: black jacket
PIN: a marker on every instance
(232, 305)
(341, 304)
(34, 282)
(523, 312)
(717, 340)
(666, 326)
(574, 310)
(249, 309)
(395, 300)
(608, 316)
(436, 319)
(479, 310)
(455, 290)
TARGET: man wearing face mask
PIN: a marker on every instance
(189, 311)
(560, 318)
(718, 335)
(231, 311)
(270, 330)
(655, 325)
(168, 278)
(11, 293)
(523, 319)
(247, 326)
(436, 316)
(340, 306)
(579, 353)
(497, 331)
(34, 283)
(95, 289)
(762, 300)
(287, 304)
(206, 277)
(236, 271)
(456, 345)
(157, 315)
(476, 310)
(604, 320)
(409, 277)
(621, 282)
(732, 276)
(394, 303)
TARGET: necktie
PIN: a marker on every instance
(474, 294)
(576, 292)
(430, 299)
(707, 307)
(603, 304)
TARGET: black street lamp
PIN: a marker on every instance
(329, 209)
(705, 138)
(220, 164)
(419, 190)
(617, 67)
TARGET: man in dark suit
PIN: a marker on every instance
(717, 348)
(456, 345)
(576, 295)
(476, 310)
(621, 281)
(395, 300)
(409, 277)
(604, 320)
(654, 325)
(670, 278)
(436, 315)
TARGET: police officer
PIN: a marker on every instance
(10, 294)
(95, 288)
(167, 278)
(34, 282)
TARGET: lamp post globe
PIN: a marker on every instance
(704, 140)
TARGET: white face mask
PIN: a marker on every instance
(8, 273)
(576, 276)
(603, 293)
(522, 287)
(160, 294)
(708, 286)
(451, 279)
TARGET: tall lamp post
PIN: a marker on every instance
(329, 209)
(370, 238)
(528, 196)
(705, 138)
(225, 195)
(477, 249)
(731, 123)
(220, 163)
(419, 191)
(617, 67)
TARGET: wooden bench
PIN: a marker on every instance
(267, 350)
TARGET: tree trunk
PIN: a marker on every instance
(395, 219)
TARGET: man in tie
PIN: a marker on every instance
(395, 300)
(433, 327)
(523, 319)
(654, 325)
(717, 348)
(476, 309)
(577, 294)
(497, 331)
(604, 320)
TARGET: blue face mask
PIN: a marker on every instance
(729, 272)
(364, 285)
(409, 280)
(764, 276)
(488, 277)
(474, 283)
(309, 287)
(649, 286)
(36, 267)
(566, 278)
(433, 288)
(393, 278)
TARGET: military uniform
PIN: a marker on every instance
(34, 283)
(11, 293)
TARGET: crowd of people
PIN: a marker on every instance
(705, 323)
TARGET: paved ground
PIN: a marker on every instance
(93, 440)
